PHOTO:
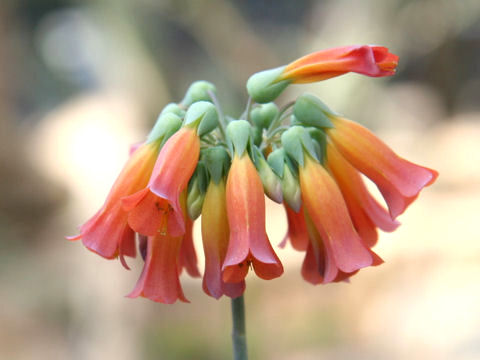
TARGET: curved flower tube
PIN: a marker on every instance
(248, 244)
(215, 236)
(187, 258)
(367, 60)
(107, 233)
(367, 214)
(160, 278)
(157, 207)
(328, 211)
(398, 180)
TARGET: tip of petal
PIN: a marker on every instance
(74, 238)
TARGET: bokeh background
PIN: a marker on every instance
(82, 80)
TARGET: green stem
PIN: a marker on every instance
(239, 336)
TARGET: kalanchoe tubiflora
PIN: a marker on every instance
(198, 164)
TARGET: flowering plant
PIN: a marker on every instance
(196, 161)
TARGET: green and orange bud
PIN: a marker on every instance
(239, 137)
(311, 111)
(263, 115)
(198, 91)
(266, 86)
(203, 116)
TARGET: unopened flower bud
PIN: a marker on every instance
(166, 125)
(257, 134)
(320, 142)
(173, 108)
(311, 111)
(271, 182)
(296, 141)
(197, 188)
(265, 86)
(263, 115)
(217, 162)
(203, 115)
(198, 91)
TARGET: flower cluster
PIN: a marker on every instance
(304, 156)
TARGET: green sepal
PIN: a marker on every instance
(276, 160)
(173, 108)
(292, 194)
(198, 91)
(263, 115)
(239, 135)
(271, 182)
(257, 135)
(264, 86)
(165, 126)
(197, 187)
(320, 141)
(311, 111)
(217, 162)
(295, 141)
(202, 115)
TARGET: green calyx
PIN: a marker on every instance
(173, 108)
(263, 115)
(271, 182)
(239, 136)
(320, 143)
(166, 125)
(276, 160)
(296, 141)
(291, 189)
(202, 115)
(198, 91)
(197, 188)
(265, 86)
(217, 162)
(311, 111)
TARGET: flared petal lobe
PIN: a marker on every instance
(398, 180)
(107, 232)
(157, 208)
(215, 237)
(328, 211)
(248, 243)
(160, 279)
(368, 60)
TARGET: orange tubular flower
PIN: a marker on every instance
(367, 60)
(344, 249)
(107, 233)
(297, 229)
(157, 207)
(399, 180)
(367, 214)
(215, 235)
(248, 243)
(188, 258)
(160, 278)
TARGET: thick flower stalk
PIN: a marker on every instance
(199, 164)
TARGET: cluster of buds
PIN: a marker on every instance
(305, 156)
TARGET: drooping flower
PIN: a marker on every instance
(297, 229)
(344, 249)
(366, 213)
(187, 258)
(107, 233)
(156, 208)
(215, 237)
(159, 280)
(368, 60)
(398, 180)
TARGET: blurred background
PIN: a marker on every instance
(82, 80)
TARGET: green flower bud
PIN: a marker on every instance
(295, 141)
(197, 188)
(257, 134)
(311, 111)
(198, 91)
(264, 86)
(263, 115)
(271, 182)
(203, 115)
(276, 160)
(239, 135)
(217, 162)
(173, 108)
(320, 142)
(291, 189)
(166, 125)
